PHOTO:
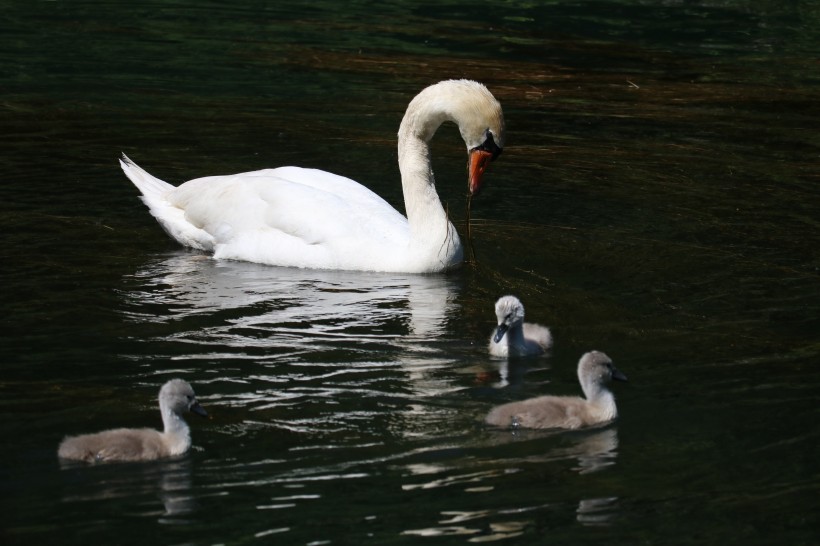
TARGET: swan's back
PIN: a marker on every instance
(289, 216)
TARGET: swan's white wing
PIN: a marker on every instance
(294, 217)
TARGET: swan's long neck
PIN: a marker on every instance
(431, 232)
(176, 434)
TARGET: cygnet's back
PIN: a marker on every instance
(128, 444)
(513, 336)
(595, 371)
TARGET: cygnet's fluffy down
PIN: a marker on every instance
(513, 336)
(131, 444)
(595, 371)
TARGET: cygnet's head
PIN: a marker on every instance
(509, 311)
(597, 368)
(178, 396)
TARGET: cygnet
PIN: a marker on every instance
(141, 444)
(595, 371)
(513, 336)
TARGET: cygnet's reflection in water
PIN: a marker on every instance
(599, 512)
(175, 489)
(596, 450)
(593, 449)
(508, 372)
(288, 301)
(144, 484)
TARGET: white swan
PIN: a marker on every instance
(140, 444)
(595, 371)
(513, 336)
(308, 218)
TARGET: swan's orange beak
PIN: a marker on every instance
(476, 164)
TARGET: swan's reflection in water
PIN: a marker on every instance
(300, 305)
(592, 451)
(336, 346)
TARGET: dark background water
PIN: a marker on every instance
(657, 199)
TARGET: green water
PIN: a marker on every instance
(657, 199)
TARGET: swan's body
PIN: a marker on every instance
(298, 217)
(595, 371)
(140, 444)
(513, 336)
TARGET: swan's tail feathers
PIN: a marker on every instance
(152, 188)
(171, 218)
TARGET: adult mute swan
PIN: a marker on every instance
(140, 444)
(513, 336)
(309, 218)
(595, 371)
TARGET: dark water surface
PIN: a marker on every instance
(657, 199)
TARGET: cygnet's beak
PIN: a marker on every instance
(618, 375)
(199, 410)
(500, 331)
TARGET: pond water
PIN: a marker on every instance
(657, 199)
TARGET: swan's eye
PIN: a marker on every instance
(489, 145)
